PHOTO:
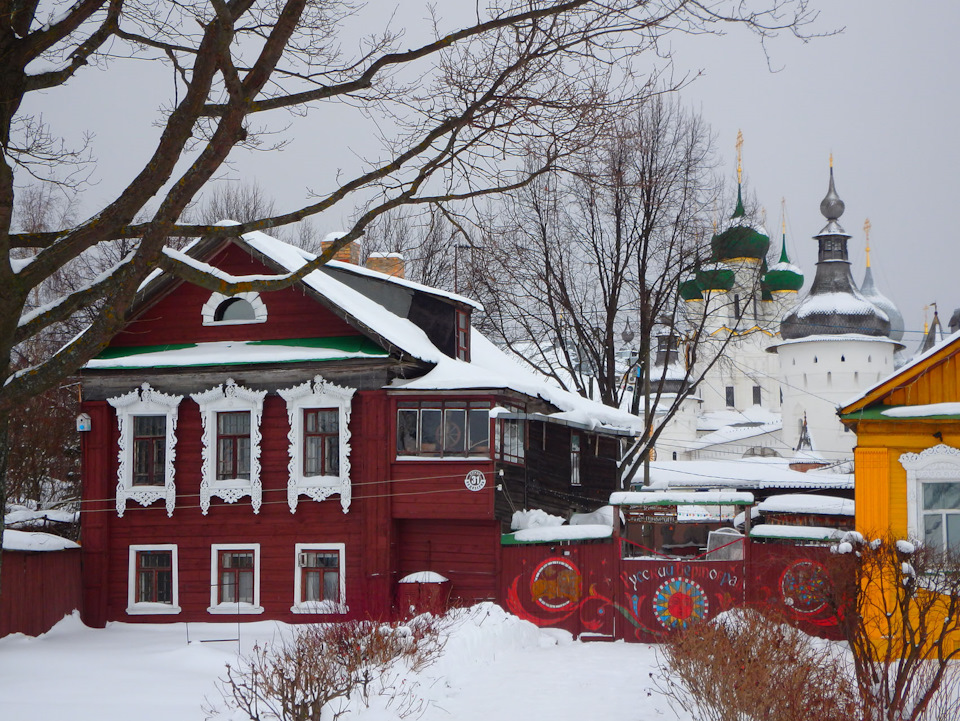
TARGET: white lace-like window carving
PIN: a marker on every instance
(933, 496)
(319, 415)
(236, 309)
(147, 420)
(231, 444)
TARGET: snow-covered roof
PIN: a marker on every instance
(35, 541)
(556, 534)
(734, 433)
(840, 338)
(755, 473)
(423, 577)
(674, 498)
(928, 409)
(840, 303)
(238, 353)
(807, 503)
(490, 367)
(796, 533)
(715, 420)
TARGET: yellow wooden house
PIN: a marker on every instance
(907, 480)
(907, 460)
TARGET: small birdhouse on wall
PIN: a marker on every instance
(83, 422)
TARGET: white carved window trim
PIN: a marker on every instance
(209, 310)
(229, 397)
(236, 607)
(317, 393)
(319, 607)
(140, 608)
(145, 401)
(938, 464)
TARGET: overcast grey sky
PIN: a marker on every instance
(882, 96)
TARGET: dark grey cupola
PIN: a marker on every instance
(834, 306)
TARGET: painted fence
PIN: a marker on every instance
(594, 592)
(39, 588)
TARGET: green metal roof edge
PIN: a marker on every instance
(875, 413)
(361, 344)
(346, 343)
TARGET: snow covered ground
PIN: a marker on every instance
(494, 666)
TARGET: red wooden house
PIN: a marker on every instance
(292, 455)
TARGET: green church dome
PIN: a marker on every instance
(690, 290)
(784, 276)
(715, 278)
(739, 240)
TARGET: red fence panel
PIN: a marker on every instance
(570, 587)
(793, 579)
(38, 589)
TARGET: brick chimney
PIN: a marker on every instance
(388, 263)
(350, 253)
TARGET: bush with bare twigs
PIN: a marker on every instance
(749, 666)
(899, 608)
(301, 675)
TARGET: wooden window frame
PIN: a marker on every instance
(138, 607)
(221, 607)
(463, 335)
(435, 443)
(326, 606)
(155, 446)
(233, 466)
(576, 456)
(323, 467)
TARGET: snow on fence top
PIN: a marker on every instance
(35, 541)
(674, 498)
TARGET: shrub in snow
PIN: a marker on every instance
(302, 675)
(747, 665)
(899, 608)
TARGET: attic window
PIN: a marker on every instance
(463, 335)
(236, 309)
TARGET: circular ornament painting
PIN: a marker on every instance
(556, 584)
(803, 586)
(679, 602)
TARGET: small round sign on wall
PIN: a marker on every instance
(475, 480)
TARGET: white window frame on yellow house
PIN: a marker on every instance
(938, 464)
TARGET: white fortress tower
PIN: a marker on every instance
(835, 343)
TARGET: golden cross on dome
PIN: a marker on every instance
(783, 214)
(739, 156)
(866, 230)
(831, 160)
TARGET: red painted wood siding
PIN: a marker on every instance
(39, 589)
(436, 489)
(365, 529)
(177, 317)
(465, 552)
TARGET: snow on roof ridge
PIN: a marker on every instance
(400, 332)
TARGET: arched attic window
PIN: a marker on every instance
(236, 309)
